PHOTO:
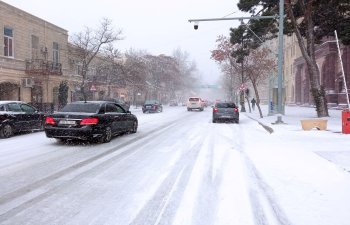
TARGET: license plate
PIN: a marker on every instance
(67, 122)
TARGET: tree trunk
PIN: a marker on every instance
(257, 98)
(308, 53)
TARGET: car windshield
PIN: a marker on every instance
(225, 105)
(194, 99)
(150, 102)
(81, 107)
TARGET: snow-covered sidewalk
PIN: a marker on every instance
(307, 173)
(330, 143)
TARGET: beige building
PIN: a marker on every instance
(33, 58)
(291, 53)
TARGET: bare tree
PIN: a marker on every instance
(110, 69)
(88, 44)
(135, 72)
(187, 72)
(259, 66)
(229, 65)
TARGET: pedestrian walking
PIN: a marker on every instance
(253, 101)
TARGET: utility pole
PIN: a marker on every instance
(280, 62)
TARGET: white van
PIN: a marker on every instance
(195, 103)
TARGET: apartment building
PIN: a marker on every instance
(33, 58)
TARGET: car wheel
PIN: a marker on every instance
(134, 127)
(214, 121)
(6, 131)
(106, 136)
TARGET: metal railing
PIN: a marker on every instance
(43, 67)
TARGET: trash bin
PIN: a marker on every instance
(346, 121)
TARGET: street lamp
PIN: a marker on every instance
(138, 98)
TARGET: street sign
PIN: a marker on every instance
(93, 88)
(242, 87)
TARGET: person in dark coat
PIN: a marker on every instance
(253, 101)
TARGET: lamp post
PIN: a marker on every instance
(280, 62)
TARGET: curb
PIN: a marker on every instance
(267, 128)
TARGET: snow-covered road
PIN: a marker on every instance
(179, 168)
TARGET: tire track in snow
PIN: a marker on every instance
(126, 149)
(261, 194)
(161, 209)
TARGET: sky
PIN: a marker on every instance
(157, 26)
(195, 172)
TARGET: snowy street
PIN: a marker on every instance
(179, 168)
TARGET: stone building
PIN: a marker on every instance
(331, 75)
(33, 58)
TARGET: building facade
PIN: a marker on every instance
(33, 58)
(331, 75)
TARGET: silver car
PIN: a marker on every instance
(225, 111)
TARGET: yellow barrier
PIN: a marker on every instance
(319, 124)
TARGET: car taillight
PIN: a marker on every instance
(89, 121)
(215, 110)
(235, 109)
(50, 120)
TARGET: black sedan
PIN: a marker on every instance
(17, 116)
(90, 120)
(152, 106)
(225, 111)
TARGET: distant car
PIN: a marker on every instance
(90, 120)
(225, 111)
(152, 106)
(17, 116)
(195, 103)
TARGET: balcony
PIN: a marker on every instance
(43, 67)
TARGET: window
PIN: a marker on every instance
(55, 53)
(79, 69)
(27, 108)
(111, 108)
(8, 42)
(35, 47)
(120, 109)
(14, 107)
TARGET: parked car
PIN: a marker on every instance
(90, 120)
(225, 111)
(17, 116)
(152, 106)
(195, 103)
